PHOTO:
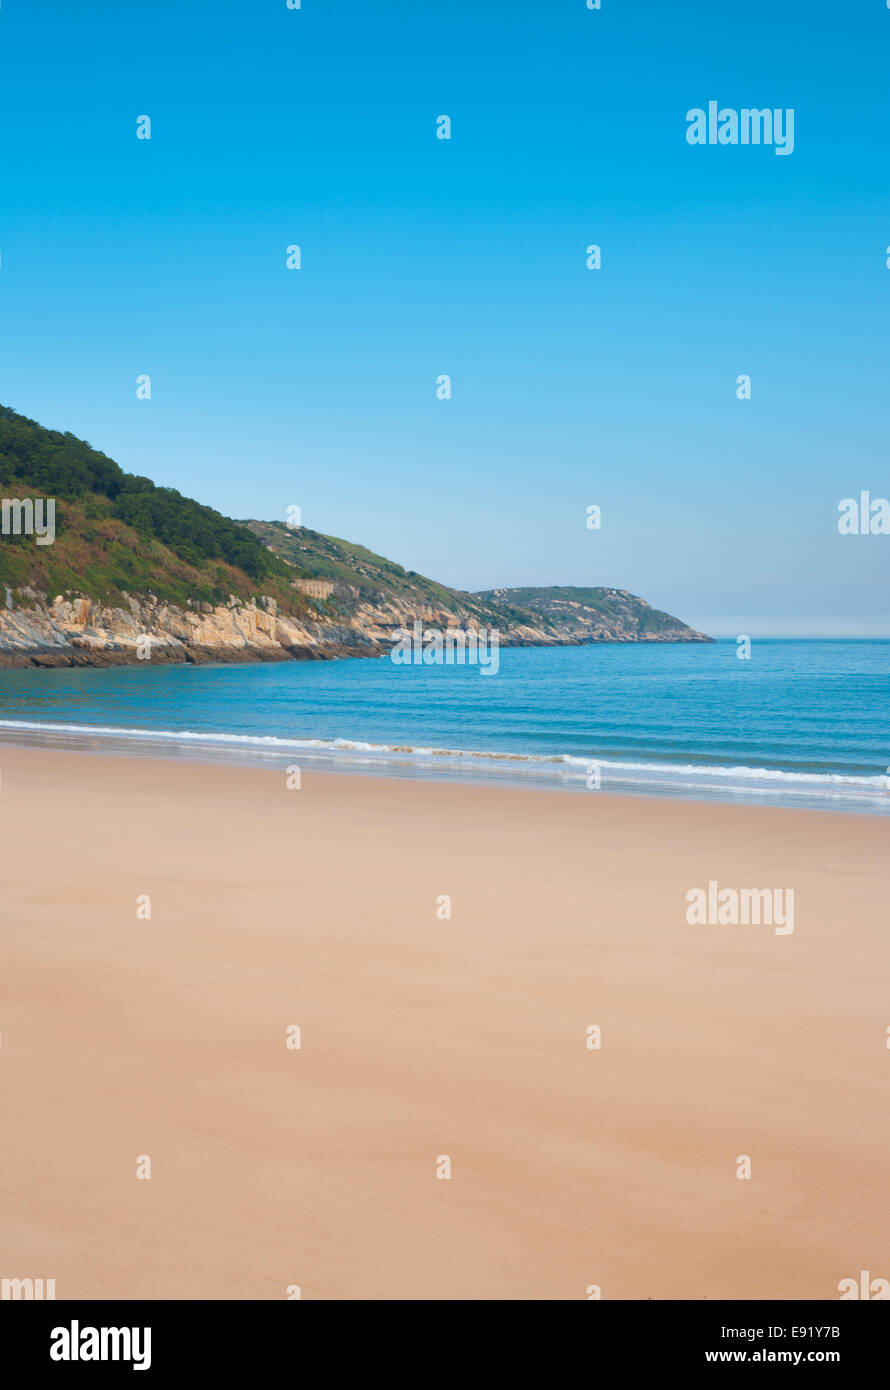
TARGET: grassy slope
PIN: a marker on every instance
(559, 604)
(96, 554)
(116, 533)
(317, 556)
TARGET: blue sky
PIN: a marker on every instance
(570, 387)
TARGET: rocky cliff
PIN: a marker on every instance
(135, 572)
(586, 615)
(77, 631)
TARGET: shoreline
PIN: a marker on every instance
(214, 756)
(74, 656)
(425, 1036)
(559, 772)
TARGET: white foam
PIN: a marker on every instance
(680, 776)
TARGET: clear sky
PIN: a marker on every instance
(617, 387)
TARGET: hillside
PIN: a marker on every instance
(353, 585)
(598, 615)
(136, 571)
(360, 587)
(117, 533)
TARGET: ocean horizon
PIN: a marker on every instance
(801, 722)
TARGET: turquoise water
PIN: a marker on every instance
(805, 723)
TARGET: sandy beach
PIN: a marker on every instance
(424, 1038)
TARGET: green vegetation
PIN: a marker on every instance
(373, 579)
(583, 613)
(117, 532)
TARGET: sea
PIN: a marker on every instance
(798, 723)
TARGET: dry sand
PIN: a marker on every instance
(422, 1037)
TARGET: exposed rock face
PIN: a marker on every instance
(381, 618)
(598, 614)
(315, 588)
(371, 592)
(79, 632)
(74, 630)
